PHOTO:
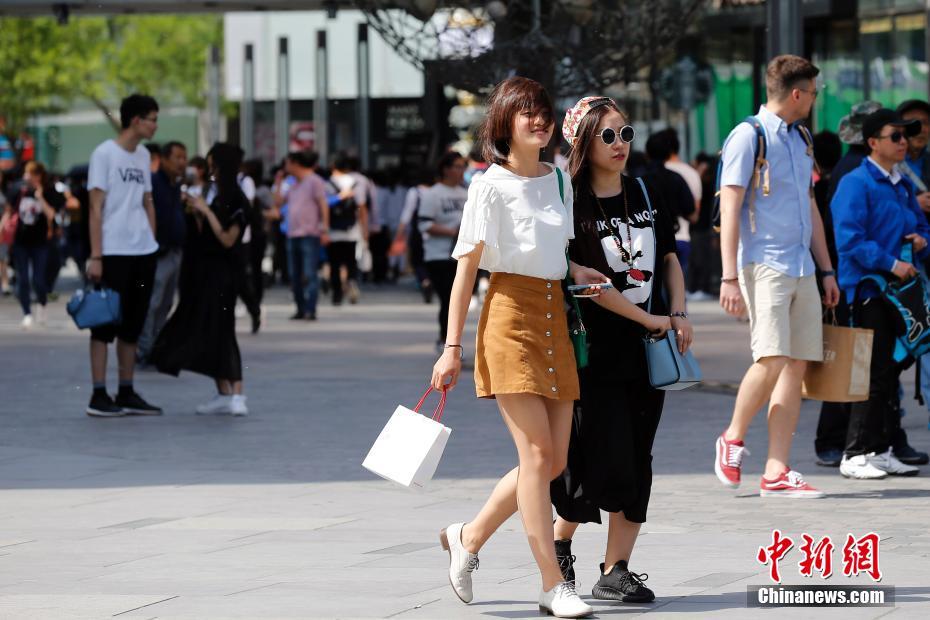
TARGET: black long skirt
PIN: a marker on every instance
(200, 336)
(610, 454)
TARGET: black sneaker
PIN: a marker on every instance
(563, 555)
(621, 584)
(102, 406)
(133, 404)
(909, 456)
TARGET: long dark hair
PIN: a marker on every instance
(226, 160)
(579, 167)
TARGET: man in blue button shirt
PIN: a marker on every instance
(770, 225)
(875, 212)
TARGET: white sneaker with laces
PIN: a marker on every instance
(461, 563)
(889, 463)
(220, 404)
(563, 602)
(27, 322)
(237, 405)
(860, 467)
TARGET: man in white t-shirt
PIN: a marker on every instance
(123, 250)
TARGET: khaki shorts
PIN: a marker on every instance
(784, 314)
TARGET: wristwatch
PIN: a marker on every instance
(683, 315)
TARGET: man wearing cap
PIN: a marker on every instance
(874, 212)
(833, 425)
(917, 160)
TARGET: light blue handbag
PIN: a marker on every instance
(668, 369)
(95, 308)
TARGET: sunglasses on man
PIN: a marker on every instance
(609, 135)
(895, 137)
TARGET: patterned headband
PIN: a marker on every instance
(574, 115)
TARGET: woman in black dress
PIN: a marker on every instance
(609, 460)
(201, 334)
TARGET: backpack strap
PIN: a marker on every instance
(760, 170)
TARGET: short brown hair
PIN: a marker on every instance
(510, 97)
(784, 72)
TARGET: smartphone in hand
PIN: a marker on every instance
(589, 290)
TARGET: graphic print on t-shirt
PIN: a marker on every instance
(628, 282)
(29, 210)
(132, 175)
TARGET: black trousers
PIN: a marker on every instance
(379, 242)
(341, 253)
(833, 425)
(442, 275)
(876, 422)
(245, 280)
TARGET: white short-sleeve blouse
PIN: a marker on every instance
(524, 223)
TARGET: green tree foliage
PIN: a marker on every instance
(47, 67)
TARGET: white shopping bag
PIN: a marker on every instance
(409, 447)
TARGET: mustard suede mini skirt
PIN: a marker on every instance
(523, 345)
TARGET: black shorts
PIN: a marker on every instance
(132, 277)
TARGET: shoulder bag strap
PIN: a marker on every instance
(655, 249)
(568, 277)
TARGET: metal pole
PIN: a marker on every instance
(321, 101)
(282, 117)
(785, 25)
(247, 109)
(364, 98)
(213, 95)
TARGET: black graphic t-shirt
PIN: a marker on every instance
(33, 226)
(612, 338)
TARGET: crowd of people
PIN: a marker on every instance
(797, 240)
(801, 227)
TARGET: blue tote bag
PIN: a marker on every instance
(668, 368)
(95, 308)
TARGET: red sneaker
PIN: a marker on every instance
(789, 484)
(728, 461)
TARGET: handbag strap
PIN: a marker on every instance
(652, 225)
(437, 412)
(568, 266)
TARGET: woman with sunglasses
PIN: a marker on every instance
(517, 225)
(609, 460)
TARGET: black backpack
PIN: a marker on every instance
(760, 173)
(343, 212)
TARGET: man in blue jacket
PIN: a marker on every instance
(875, 212)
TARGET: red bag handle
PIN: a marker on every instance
(437, 413)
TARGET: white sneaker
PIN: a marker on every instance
(27, 322)
(461, 562)
(219, 405)
(888, 462)
(861, 467)
(237, 405)
(563, 602)
(41, 315)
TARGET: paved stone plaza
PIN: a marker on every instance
(272, 516)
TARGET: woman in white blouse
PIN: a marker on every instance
(516, 224)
